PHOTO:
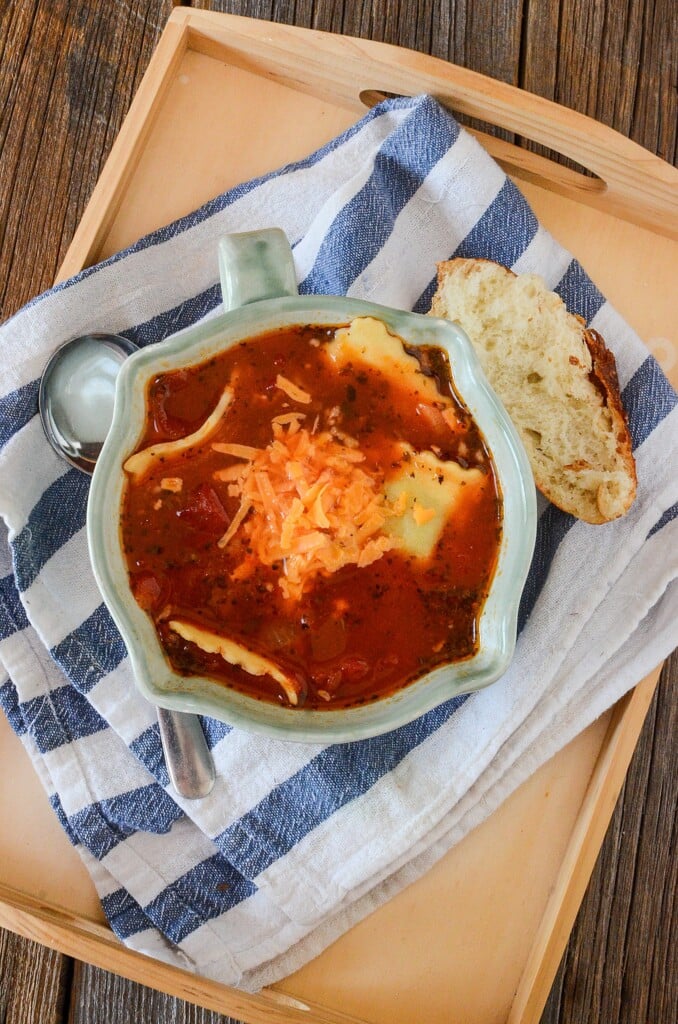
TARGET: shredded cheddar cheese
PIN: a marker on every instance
(241, 451)
(294, 392)
(293, 420)
(307, 503)
(171, 483)
(422, 516)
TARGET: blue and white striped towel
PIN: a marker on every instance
(296, 843)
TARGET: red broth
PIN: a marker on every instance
(353, 635)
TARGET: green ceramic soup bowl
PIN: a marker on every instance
(260, 295)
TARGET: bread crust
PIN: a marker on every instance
(604, 376)
(594, 491)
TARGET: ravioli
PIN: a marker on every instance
(235, 654)
(428, 491)
(367, 340)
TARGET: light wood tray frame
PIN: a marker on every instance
(479, 938)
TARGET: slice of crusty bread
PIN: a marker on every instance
(556, 379)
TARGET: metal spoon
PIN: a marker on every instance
(75, 400)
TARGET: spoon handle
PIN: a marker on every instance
(187, 756)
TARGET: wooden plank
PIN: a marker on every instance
(100, 997)
(34, 982)
(69, 74)
(615, 62)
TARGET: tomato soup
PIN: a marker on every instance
(312, 517)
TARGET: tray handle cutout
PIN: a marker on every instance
(623, 178)
(630, 182)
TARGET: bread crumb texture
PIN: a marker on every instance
(557, 380)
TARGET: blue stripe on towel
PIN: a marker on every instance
(58, 809)
(91, 651)
(648, 398)
(668, 517)
(16, 409)
(348, 248)
(202, 894)
(171, 321)
(13, 616)
(502, 233)
(59, 717)
(124, 914)
(207, 891)
(9, 702)
(214, 731)
(552, 528)
(579, 293)
(56, 517)
(333, 778)
(103, 825)
(148, 749)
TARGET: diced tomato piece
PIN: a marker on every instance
(328, 640)
(204, 511)
(432, 416)
(350, 670)
(329, 681)
(388, 661)
(147, 590)
(353, 669)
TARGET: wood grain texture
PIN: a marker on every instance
(98, 997)
(34, 982)
(616, 62)
(68, 72)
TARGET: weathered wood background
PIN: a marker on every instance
(68, 71)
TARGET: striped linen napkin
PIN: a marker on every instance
(296, 842)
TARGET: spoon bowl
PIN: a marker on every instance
(76, 395)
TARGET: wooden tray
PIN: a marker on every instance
(224, 99)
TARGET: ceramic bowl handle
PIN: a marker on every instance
(255, 265)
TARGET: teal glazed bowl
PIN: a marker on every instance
(259, 290)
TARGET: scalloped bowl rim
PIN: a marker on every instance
(497, 627)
